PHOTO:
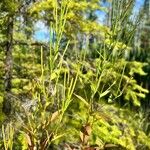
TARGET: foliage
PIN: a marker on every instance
(79, 91)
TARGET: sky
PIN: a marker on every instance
(42, 32)
(139, 3)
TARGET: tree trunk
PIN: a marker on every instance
(8, 67)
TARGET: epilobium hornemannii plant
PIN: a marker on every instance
(72, 100)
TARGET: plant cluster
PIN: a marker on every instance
(79, 91)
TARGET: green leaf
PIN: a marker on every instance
(104, 93)
(82, 99)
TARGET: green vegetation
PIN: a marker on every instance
(87, 88)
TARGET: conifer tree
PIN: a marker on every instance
(8, 7)
(10, 11)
